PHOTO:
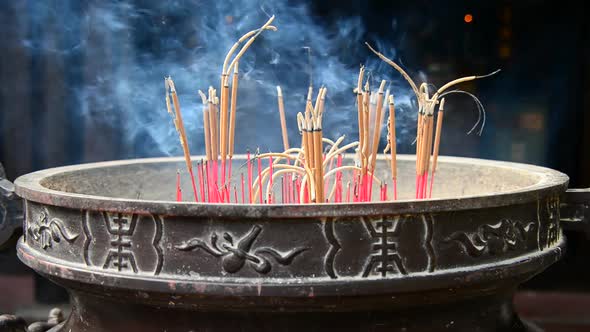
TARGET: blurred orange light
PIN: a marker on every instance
(468, 18)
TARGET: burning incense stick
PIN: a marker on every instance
(177, 114)
(307, 178)
(212, 135)
(377, 126)
(393, 145)
(249, 178)
(206, 124)
(398, 68)
(223, 116)
(439, 122)
(233, 109)
(283, 120)
(226, 139)
(359, 100)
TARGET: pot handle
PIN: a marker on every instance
(11, 212)
(575, 210)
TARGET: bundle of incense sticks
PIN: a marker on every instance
(316, 171)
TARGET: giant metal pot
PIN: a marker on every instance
(133, 259)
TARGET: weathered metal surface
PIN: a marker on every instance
(11, 213)
(407, 264)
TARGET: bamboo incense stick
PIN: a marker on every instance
(399, 69)
(439, 122)
(168, 105)
(418, 146)
(359, 100)
(393, 145)
(206, 125)
(249, 42)
(223, 128)
(282, 117)
(319, 183)
(366, 95)
(223, 116)
(213, 129)
(240, 41)
(377, 126)
(309, 140)
(427, 152)
(182, 134)
(233, 110)
(307, 178)
(201, 182)
(216, 125)
(211, 123)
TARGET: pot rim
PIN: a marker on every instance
(519, 267)
(30, 187)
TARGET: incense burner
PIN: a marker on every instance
(133, 259)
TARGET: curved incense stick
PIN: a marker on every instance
(270, 183)
(339, 151)
(240, 41)
(249, 42)
(398, 68)
(461, 80)
(334, 144)
(482, 112)
(343, 168)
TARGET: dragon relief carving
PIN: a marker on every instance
(47, 230)
(234, 256)
(493, 239)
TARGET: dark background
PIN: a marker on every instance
(537, 107)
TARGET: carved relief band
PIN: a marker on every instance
(365, 248)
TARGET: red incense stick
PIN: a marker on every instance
(193, 183)
(284, 189)
(260, 179)
(418, 182)
(243, 189)
(178, 190)
(370, 193)
(229, 174)
(249, 178)
(223, 182)
(201, 185)
(424, 184)
(207, 167)
(297, 189)
(215, 175)
(271, 182)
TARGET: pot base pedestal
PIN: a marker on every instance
(97, 314)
